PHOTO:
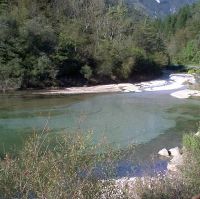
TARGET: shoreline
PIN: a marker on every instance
(176, 83)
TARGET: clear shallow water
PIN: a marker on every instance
(152, 120)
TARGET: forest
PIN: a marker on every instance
(182, 35)
(60, 43)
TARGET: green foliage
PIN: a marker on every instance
(10, 74)
(127, 67)
(86, 71)
(4, 4)
(192, 143)
(181, 34)
(43, 72)
(191, 169)
(190, 54)
(53, 42)
(194, 71)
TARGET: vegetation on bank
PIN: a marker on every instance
(69, 166)
(182, 185)
(70, 42)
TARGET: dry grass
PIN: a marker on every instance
(63, 166)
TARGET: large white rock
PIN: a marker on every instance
(197, 134)
(175, 152)
(172, 167)
(164, 152)
(175, 163)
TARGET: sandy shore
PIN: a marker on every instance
(111, 88)
(173, 83)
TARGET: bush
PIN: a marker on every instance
(191, 169)
(194, 71)
(191, 143)
(127, 67)
(86, 71)
(10, 74)
(62, 166)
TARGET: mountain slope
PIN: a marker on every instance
(159, 7)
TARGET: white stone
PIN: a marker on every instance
(175, 152)
(172, 167)
(175, 163)
(197, 134)
(164, 152)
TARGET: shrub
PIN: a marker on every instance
(10, 74)
(191, 169)
(191, 143)
(127, 67)
(86, 71)
(62, 166)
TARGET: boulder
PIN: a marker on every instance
(175, 152)
(172, 167)
(164, 152)
(197, 134)
(175, 163)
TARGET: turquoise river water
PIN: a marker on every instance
(152, 120)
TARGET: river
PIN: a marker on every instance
(152, 120)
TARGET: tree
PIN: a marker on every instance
(86, 71)
(10, 74)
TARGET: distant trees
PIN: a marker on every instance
(54, 42)
(10, 75)
(181, 33)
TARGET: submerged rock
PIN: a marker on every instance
(164, 152)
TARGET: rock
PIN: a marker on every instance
(175, 162)
(172, 167)
(178, 160)
(197, 134)
(126, 91)
(175, 152)
(164, 152)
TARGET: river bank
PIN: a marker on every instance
(177, 83)
(181, 179)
